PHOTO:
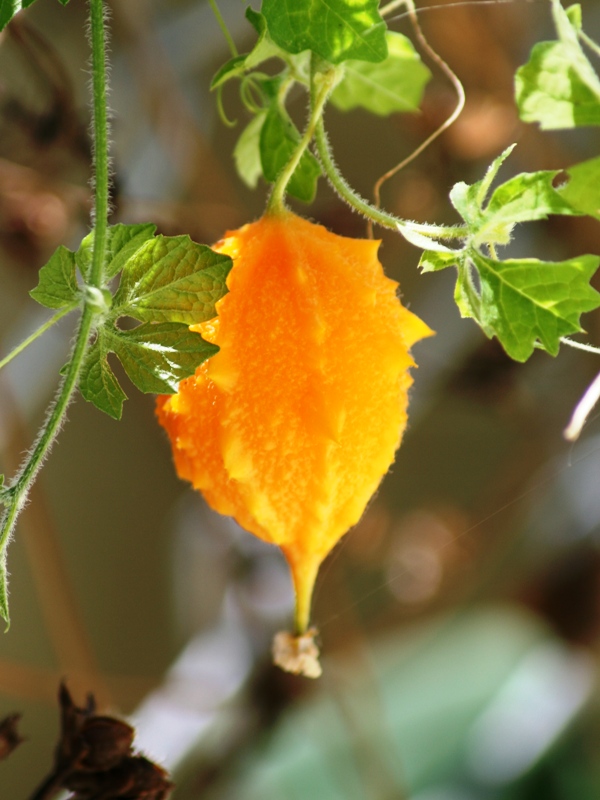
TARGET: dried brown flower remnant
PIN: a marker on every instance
(9, 735)
(135, 778)
(95, 759)
(297, 654)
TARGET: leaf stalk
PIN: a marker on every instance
(36, 334)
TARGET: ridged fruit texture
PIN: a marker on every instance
(291, 426)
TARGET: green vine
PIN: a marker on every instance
(322, 82)
(15, 496)
(377, 215)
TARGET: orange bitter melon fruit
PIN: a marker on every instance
(290, 427)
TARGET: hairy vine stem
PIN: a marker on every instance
(14, 496)
(383, 218)
(322, 82)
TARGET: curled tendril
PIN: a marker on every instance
(252, 94)
(229, 123)
(460, 104)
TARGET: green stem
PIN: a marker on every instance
(223, 26)
(321, 85)
(383, 218)
(101, 167)
(42, 329)
(590, 42)
(15, 496)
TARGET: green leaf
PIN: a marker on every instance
(57, 286)
(264, 49)
(468, 199)
(173, 282)
(336, 30)
(435, 260)
(122, 241)
(558, 87)
(582, 191)
(156, 357)
(395, 84)
(527, 301)
(574, 14)
(551, 89)
(465, 292)
(247, 152)
(521, 301)
(278, 140)
(8, 8)
(492, 171)
(172, 279)
(526, 197)
(98, 384)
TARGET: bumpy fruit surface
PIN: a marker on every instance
(291, 426)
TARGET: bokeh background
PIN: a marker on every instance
(460, 619)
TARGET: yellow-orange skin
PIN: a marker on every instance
(292, 425)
